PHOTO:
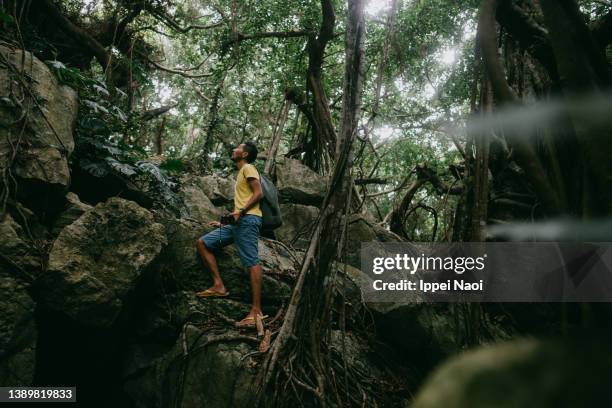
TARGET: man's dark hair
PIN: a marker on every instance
(251, 149)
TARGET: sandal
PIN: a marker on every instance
(211, 293)
(265, 342)
(250, 321)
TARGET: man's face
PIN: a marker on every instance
(239, 153)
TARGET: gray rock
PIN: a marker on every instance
(361, 229)
(422, 332)
(523, 373)
(298, 184)
(17, 334)
(165, 315)
(197, 372)
(96, 261)
(199, 207)
(16, 250)
(298, 222)
(412, 326)
(218, 189)
(73, 210)
(47, 132)
(425, 333)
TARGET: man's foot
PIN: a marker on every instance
(213, 292)
(251, 319)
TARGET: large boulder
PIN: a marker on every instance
(161, 319)
(298, 184)
(180, 358)
(198, 371)
(298, 223)
(523, 373)
(299, 220)
(16, 250)
(199, 207)
(421, 332)
(73, 209)
(219, 189)
(99, 259)
(45, 140)
(17, 334)
(360, 230)
(207, 369)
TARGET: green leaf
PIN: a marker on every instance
(6, 18)
(172, 165)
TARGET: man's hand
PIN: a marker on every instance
(215, 224)
(236, 215)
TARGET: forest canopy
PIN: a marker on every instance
(190, 80)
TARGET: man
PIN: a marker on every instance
(244, 233)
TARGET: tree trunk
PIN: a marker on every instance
(305, 331)
(481, 171)
(213, 119)
(398, 215)
(277, 133)
(584, 72)
(159, 140)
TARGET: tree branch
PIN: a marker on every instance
(239, 37)
(172, 23)
(316, 46)
(114, 34)
(153, 113)
(182, 72)
(487, 37)
(77, 33)
(364, 181)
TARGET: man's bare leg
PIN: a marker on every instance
(209, 259)
(256, 279)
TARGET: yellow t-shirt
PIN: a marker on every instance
(242, 189)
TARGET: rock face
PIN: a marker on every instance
(15, 249)
(298, 222)
(73, 210)
(47, 132)
(524, 373)
(210, 374)
(298, 184)
(17, 334)
(360, 229)
(423, 333)
(199, 207)
(220, 190)
(211, 363)
(97, 260)
(186, 351)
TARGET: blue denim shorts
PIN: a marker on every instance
(244, 235)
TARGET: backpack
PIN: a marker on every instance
(271, 214)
